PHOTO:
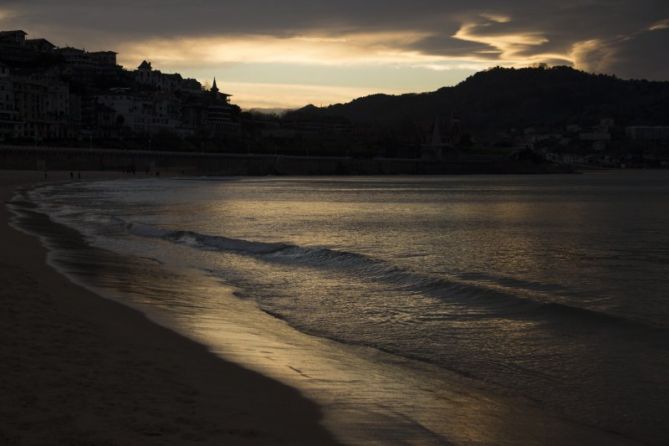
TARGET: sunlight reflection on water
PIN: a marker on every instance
(549, 288)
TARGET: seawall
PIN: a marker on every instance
(77, 159)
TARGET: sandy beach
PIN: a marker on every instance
(80, 369)
(77, 369)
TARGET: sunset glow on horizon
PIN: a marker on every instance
(333, 54)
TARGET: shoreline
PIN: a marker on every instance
(349, 384)
(81, 369)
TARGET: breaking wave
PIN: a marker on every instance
(473, 300)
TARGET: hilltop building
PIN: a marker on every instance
(78, 58)
(40, 45)
(146, 75)
(14, 48)
(17, 37)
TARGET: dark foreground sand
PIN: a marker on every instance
(76, 369)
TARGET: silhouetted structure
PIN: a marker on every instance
(51, 93)
(73, 97)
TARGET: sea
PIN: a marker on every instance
(415, 310)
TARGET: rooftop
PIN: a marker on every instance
(8, 33)
(40, 41)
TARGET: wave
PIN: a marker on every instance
(472, 300)
(208, 242)
(491, 297)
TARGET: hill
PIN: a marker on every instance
(504, 98)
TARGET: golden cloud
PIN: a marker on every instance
(515, 49)
(662, 24)
(5, 14)
(509, 45)
(593, 55)
(350, 49)
(496, 18)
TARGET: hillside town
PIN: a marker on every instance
(69, 97)
(49, 93)
(605, 144)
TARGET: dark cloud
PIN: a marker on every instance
(621, 26)
(643, 56)
(177, 17)
(444, 44)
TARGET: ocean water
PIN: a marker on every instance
(548, 289)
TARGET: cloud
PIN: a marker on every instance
(510, 33)
(393, 50)
(455, 47)
(5, 15)
(508, 43)
(379, 48)
(593, 55)
(662, 24)
(643, 56)
(622, 37)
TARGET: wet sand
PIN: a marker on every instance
(86, 370)
(77, 369)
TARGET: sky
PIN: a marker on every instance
(289, 53)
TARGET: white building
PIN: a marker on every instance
(648, 133)
(143, 115)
